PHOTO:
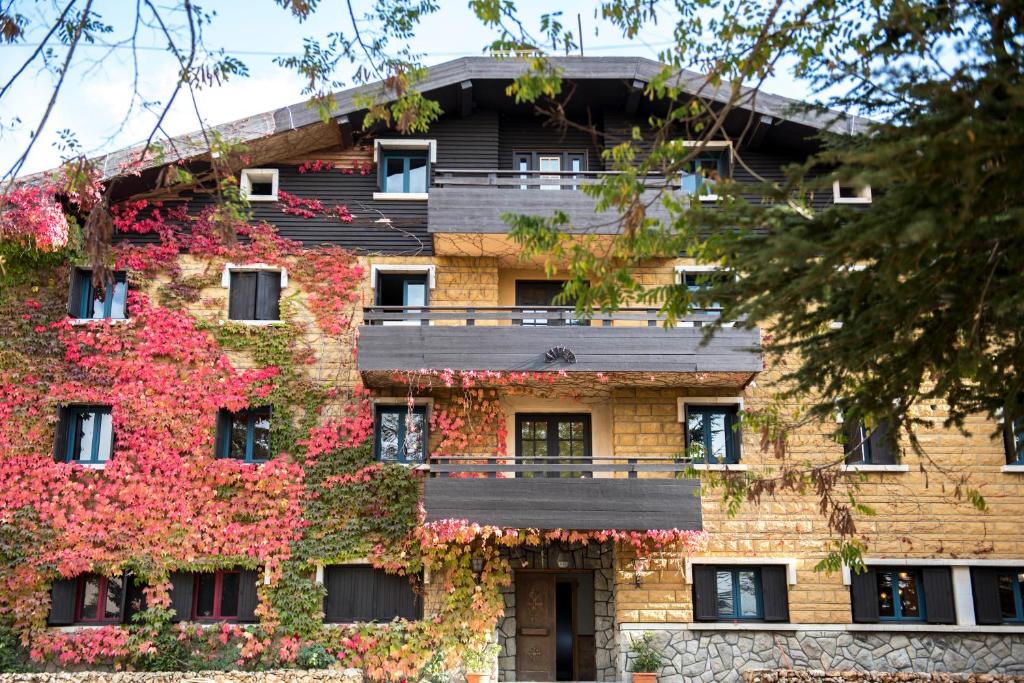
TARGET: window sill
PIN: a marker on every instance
(400, 196)
(787, 626)
(716, 467)
(257, 323)
(708, 197)
(876, 468)
(1013, 469)
(262, 198)
(851, 200)
(77, 322)
(88, 465)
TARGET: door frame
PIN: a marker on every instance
(552, 435)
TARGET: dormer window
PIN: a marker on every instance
(849, 193)
(403, 168)
(259, 184)
(86, 302)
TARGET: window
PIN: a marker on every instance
(400, 435)
(215, 596)
(903, 593)
(703, 172)
(542, 294)
(359, 594)
(404, 171)
(552, 439)
(741, 592)
(711, 434)
(698, 282)
(85, 435)
(402, 289)
(900, 597)
(100, 599)
(868, 445)
(551, 166)
(998, 594)
(259, 184)
(87, 303)
(244, 435)
(1013, 441)
(255, 295)
(847, 193)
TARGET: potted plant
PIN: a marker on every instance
(478, 660)
(645, 661)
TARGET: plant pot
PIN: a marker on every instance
(639, 677)
(477, 678)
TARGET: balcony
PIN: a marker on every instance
(571, 493)
(473, 201)
(535, 339)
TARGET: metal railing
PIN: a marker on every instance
(526, 316)
(535, 180)
(489, 466)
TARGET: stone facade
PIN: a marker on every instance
(789, 676)
(714, 655)
(596, 557)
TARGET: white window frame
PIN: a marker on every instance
(713, 145)
(863, 193)
(225, 282)
(410, 144)
(681, 403)
(680, 271)
(403, 269)
(791, 565)
(245, 183)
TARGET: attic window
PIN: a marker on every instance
(849, 193)
(259, 184)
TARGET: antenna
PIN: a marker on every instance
(579, 25)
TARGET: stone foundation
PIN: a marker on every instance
(279, 676)
(706, 656)
(784, 676)
(594, 556)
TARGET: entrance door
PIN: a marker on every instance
(552, 438)
(535, 626)
(553, 163)
(541, 293)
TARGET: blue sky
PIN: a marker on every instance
(94, 100)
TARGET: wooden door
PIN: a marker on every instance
(535, 626)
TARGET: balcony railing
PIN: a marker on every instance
(536, 180)
(483, 466)
(526, 316)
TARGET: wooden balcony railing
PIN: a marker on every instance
(535, 180)
(491, 466)
(526, 316)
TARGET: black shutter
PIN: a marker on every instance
(937, 585)
(985, 586)
(60, 438)
(864, 596)
(181, 595)
(351, 594)
(705, 594)
(853, 447)
(247, 595)
(75, 285)
(395, 597)
(775, 592)
(737, 438)
(134, 599)
(221, 434)
(63, 594)
(268, 299)
(242, 303)
(883, 444)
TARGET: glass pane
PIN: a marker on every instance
(725, 603)
(748, 594)
(414, 431)
(418, 174)
(908, 594)
(549, 164)
(695, 429)
(690, 182)
(1018, 437)
(85, 424)
(415, 294)
(261, 436)
(229, 595)
(1007, 603)
(394, 175)
(90, 598)
(120, 297)
(886, 605)
(205, 588)
(718, 437)
(239, 435)
(115, 593)
(389, 435)
(106, 437)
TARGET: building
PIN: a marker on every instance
(446, 349)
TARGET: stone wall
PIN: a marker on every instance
(279, 676)
(712, 655)
(596, 557)
(788, 676)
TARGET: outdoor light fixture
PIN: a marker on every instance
(562, 560)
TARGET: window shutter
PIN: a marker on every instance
(883, 445)
(351, 594)
(75, 284)
(242, 303)
(864, 597)
(775, 592)
(60, 438)
(268, 302)
(223, 429)
(181, 595)
(247, 595)
(737, 439)
(853, 447)
(134, 600)
(705, 607)
(985, 586)
(939, 606)
(62, 602)
(395, 597)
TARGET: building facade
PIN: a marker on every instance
(381, 359)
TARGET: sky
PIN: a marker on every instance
(94, 101)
